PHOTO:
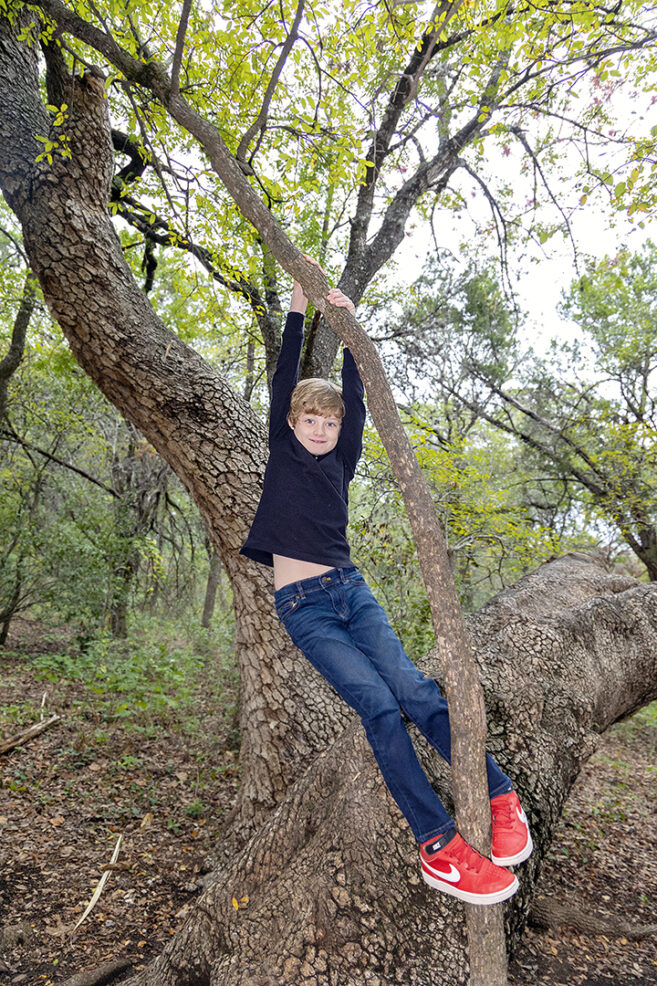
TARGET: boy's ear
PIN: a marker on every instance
(290, 422)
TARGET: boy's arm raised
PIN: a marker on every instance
(351, 434)
(287, 367)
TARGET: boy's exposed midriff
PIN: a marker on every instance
(287, 570)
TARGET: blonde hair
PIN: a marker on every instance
(316, 396)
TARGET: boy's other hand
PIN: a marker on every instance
(340, 300)
(299, 301)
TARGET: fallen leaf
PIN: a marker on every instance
(59, 929)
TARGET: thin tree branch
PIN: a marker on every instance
(180, 44)
(13, 437)
(518, 132)
(259, 123)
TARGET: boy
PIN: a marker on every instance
(315, 439)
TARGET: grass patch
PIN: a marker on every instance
(643, 722)
(165, 672)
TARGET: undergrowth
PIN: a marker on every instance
(164, 670)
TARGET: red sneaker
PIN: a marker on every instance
(451, 865)
(512, 842)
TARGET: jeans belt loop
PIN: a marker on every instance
(300, 590)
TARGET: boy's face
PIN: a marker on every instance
(316, 433)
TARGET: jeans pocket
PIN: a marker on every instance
(287, 607)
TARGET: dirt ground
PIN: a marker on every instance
(69, 794)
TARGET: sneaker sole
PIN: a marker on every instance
(519, 857)
(465, 895)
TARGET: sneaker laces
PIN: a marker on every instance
(469, 857)
(503, 815)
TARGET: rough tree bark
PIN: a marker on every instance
(336, 899)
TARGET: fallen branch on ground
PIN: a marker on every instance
(549, 913)
(20, 738)
(100, 976)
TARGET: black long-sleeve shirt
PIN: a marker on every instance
(303, 510)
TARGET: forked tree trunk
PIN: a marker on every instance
(331, 876)
(210, 436)
(75, 254)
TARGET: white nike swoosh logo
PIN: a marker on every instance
(521, 815)
(452, 877)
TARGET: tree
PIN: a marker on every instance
(488, 501)
(586, 412)
(206, 432)
(13, 593)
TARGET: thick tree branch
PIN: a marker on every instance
(180, 45)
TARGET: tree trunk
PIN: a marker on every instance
(11, 361)
(329, 875)
(647, 550)
(334, 892)
(214, 578)
(113, 331)
(207, 433)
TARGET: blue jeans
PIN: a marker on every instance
(336, 622)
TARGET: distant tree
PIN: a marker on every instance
(588, 411)
(585, 413)
(89, 513)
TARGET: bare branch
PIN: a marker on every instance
(259, 123)
(13, 437)
(18, 739)
(180, 44)
(518, 132)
